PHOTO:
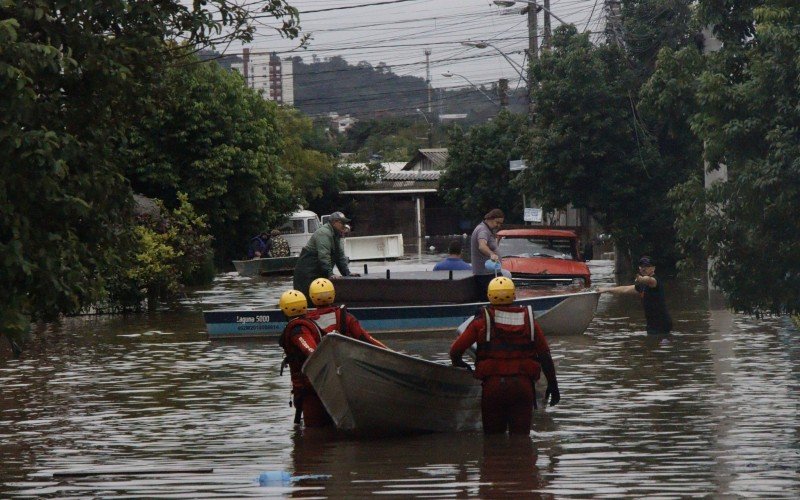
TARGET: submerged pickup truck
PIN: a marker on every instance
(538, 256)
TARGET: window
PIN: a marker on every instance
(294, 226)
(537, 246)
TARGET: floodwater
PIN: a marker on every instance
(154, 409)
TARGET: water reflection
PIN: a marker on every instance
(711, 410)
(451, 465)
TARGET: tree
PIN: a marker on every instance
(588, 146)
(392, 139)
(306, 165)
(170, 249)
(653, 25)
(341, 178)
(73, 76)
(220, 143)
(748, 119)
(477, 176)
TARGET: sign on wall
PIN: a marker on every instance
(532, 214)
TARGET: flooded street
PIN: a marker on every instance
(711, 410)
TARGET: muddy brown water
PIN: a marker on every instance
(150, 405)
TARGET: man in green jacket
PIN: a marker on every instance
(321, 253)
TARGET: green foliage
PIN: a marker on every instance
(732, 20)
(652, 25)
(389, 139)
(73, 76)
(588, 147)
(168, 252)
(307, 167)
(477, 177)
(749, 122)
(218, 141)
(342, 178)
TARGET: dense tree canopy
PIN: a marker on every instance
(477, 176)
(588, 146)
(306, 165)
(748, 118)
(219, 142)
(73, 76)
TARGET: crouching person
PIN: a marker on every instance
(511, 354)
(299, 339)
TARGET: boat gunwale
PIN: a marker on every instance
(444, 304)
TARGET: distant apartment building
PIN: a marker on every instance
(267, 72)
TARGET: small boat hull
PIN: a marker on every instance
(367, 389)
(266, 266)
(565, 314)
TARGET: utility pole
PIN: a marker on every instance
(533, 53)
(428, 77)
(613, 21)
(547, 30)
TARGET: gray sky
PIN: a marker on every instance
(398, 33)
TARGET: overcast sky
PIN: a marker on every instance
(398, 33)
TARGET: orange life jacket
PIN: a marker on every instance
(507, 347)
(330, 319)
(294, 356)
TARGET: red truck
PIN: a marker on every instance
(538, 256)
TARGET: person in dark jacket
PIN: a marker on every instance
(259, 246)
(322, 252)
(651, 292)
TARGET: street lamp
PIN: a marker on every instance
(423, 115)
(430, 128)
(483, 44)
(510, 3)
(450, 75)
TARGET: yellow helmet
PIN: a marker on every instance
(293, 303)
(322, 292)
(501, 291)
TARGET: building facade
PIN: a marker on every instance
(406, 201)
(270, 74)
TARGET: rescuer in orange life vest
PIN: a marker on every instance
(511, 354)
(332, 318)
(302, 335)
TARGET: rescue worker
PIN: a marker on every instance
(332, 318)
(303, 334)
(299, 339)
(511, 354)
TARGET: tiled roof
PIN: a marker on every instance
(428, 159)
(413, 175)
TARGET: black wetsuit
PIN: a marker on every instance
(655, 308)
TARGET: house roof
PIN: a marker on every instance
(420, 175)
(428, 159)
(413, 175)
(414, 181)
(390, 166)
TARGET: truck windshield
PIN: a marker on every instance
(537, 246)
